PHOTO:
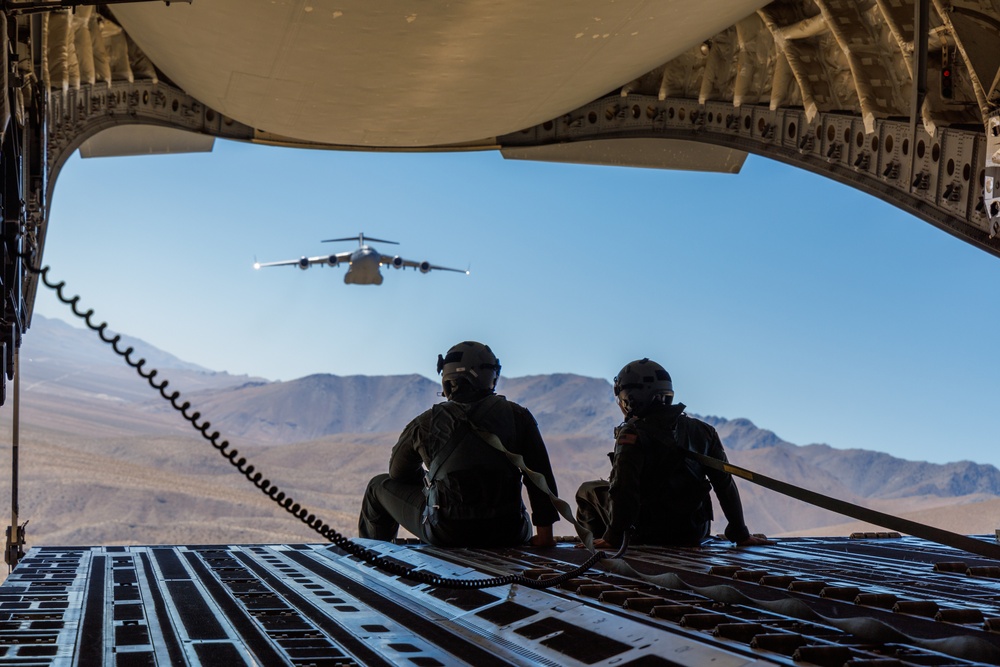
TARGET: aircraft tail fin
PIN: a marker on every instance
(360, 238)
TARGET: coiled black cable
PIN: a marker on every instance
(257, 478)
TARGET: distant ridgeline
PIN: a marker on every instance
(576, 415)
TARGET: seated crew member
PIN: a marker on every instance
(655, 489)
(446, 484)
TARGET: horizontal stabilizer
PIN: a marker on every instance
(360, 238)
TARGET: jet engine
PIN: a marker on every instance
(332, 260)
(397, 262)
(425, 267)
(303, 263)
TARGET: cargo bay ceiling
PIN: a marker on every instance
(897, 98)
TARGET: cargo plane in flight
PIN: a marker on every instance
(363, 264)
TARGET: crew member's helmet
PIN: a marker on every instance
(472, 362)
(641, 384)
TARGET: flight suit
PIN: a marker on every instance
(483, 506)
(657, 490)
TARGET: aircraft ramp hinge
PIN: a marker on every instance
(14, 551)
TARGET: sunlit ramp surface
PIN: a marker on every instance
(877, 599)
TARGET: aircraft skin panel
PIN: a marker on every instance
(647, 153)
(364, 270)
(457, 73)
(144, 140)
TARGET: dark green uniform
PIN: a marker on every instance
(658, 490)
(482, 506)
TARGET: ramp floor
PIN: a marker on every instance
(877, 601)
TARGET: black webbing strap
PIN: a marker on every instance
(562, 507)
(947, 538)
(462, 430)
(465, 426)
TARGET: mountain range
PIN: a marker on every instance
(105, 460)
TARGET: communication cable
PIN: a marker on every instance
(271, 490)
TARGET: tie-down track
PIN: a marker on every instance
(866, 601)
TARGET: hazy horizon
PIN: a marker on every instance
(818, 310)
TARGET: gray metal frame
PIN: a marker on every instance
(939, 179)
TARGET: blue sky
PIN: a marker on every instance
(777, 295)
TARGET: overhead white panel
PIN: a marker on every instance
(400, 73)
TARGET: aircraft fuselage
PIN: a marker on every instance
(364, 267)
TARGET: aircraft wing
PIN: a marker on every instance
(400, 263)
(306, 262)
(445, 268)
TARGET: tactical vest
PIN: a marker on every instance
(468, 480)
(675, 492)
